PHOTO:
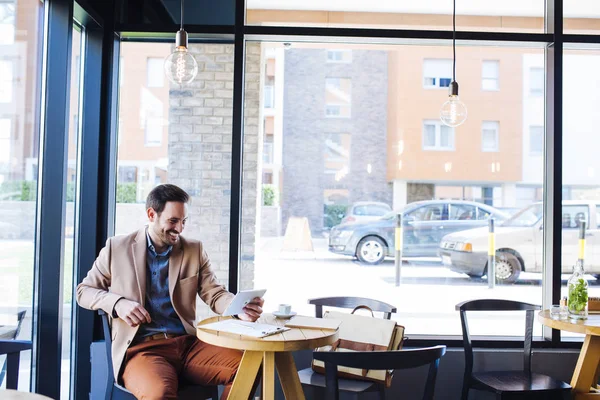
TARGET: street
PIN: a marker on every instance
(425, 299)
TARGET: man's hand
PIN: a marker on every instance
(252, 310)
(131, 312)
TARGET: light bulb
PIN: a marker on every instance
(454, 111)
(181, 67)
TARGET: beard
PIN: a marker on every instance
(168, 238)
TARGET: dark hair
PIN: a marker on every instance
(160, 195)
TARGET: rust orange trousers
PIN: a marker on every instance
(154, 369)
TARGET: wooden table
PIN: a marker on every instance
(14, 395)
(271, 352)
(585, 376)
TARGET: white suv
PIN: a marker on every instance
(519, 243)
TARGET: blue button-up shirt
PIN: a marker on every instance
(158, 301)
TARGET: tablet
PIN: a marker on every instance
(241, 299)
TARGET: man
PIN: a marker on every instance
(148, 281)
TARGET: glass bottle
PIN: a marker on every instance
(578, 292)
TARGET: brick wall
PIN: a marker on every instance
(200, 137)
(305, 127)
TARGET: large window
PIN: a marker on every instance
(181, 136)
(393, 152)
(21, 28)
(581, 165)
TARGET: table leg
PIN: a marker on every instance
(288, 376)
(244, 379)
(587, 364)
(268, 381)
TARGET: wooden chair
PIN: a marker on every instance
(114, 391)
(400, 359)
(309, 378)
(508, 384)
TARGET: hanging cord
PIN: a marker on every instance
(182, 14)
(453, 41)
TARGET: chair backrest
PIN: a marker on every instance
(399, 359)
(110, 379)
(13, 349)
(351, 303)
(497, 305)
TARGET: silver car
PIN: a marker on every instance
(424, 223)
(519, 243)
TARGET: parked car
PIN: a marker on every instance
(363, 211)
(424, 222)
(519, 243)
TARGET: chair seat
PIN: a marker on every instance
(309, 377)
(517, 381)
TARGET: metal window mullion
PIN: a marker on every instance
(552, 248)
(82, 326)
(50, 219)
(236, 147)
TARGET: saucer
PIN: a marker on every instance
(284, 316)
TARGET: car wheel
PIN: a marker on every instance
(508, 268)
(371, 250)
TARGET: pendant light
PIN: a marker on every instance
(180, 66)
(454, 111)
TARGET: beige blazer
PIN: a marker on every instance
(120, 271)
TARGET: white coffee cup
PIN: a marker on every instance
(285, 309)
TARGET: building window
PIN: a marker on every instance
(269, 96)
(339, 56)
(6, 81)
(437, 73)
(437, 136)
(127, 174)
(489, 136)
(5, 130)
(155, 76)
(536, 139)
(268, 150)
(7, 22)
(536, 81)
(489, 75)
(337, 155)
(153, 132)
(338, 93)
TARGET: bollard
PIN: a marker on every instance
(582, 227)
(398, 243)
(491, 271)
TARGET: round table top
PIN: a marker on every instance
(292, 340)
(9, 394)
(589, 326)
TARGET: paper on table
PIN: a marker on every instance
(313, 323)
(244, 328)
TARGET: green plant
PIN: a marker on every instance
(333, 214)
(578, 295)
(269, 195)
(126, 192)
